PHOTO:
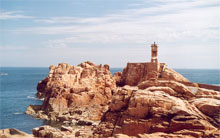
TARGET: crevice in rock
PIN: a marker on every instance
(121, 113)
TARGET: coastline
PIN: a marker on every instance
(176, 86)
(46, 69)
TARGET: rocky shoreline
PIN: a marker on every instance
(89, 101)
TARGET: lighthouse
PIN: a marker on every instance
(154, 48)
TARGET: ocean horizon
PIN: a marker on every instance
(18, 89)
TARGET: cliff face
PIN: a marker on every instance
(138, 102)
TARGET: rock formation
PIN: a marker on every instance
(135, 111)
(13, 133)
(136, 73)
(72, 90)
(138, 102)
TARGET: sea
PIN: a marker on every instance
(18, 89)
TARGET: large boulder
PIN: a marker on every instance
(135, 73)
(206, 93)
(171, 87)
(13, 133)
(210, 107)
(170, 74)
(47, 132)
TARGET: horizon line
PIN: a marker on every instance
(110, 67)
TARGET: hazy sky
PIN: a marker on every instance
(45, 32)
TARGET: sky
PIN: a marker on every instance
(40, 33)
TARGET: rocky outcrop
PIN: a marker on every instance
(139, 102)
(136, 73)
(209, 107)
(13, 133)
(63, 132)
(159, 108)
(162, 135)
(133, 74)
(153, 135)
(68, 88)
(171, 87)
(48, 132)
(205, 93)
(170, 74)
(118, 78)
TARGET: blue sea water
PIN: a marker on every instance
(18, 88)
(206, 76)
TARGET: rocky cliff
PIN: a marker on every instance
(134, 103)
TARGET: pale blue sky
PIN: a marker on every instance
(44, 32)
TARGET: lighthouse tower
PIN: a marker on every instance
(154, 48)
